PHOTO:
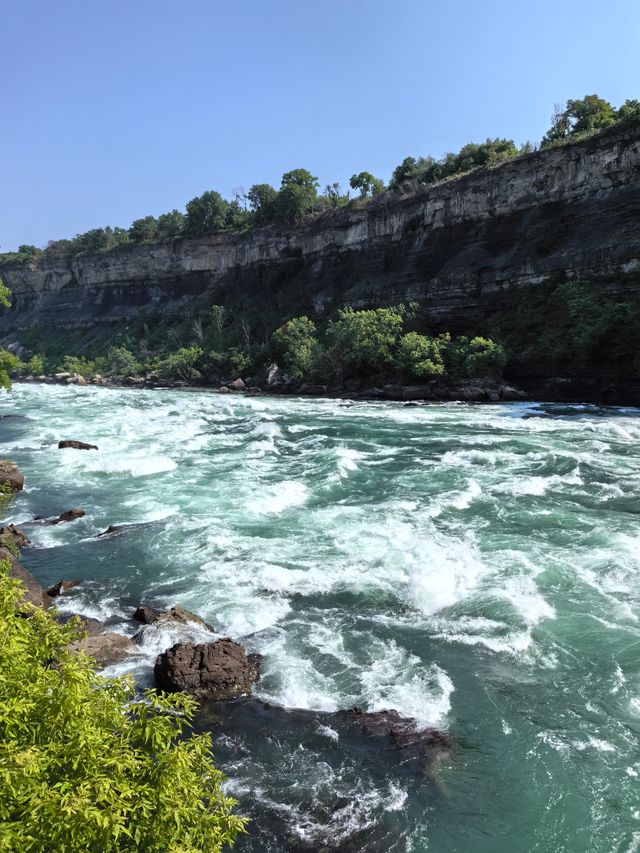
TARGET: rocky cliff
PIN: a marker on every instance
(460, 248)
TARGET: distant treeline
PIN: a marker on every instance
(298, 199)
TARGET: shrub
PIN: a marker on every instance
(85, 765)
(9, 364)
(181, 364)
(35, 366)
(421, 356)
(119, 361)
(79, 364)
(477, 358)
(364, 341)
(295, 343)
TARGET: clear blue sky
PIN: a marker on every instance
(114, 110)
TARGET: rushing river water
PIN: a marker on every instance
(474, 567)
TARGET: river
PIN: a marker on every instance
(474, 567)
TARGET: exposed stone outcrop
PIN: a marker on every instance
(61, 587)
(458, 247)
(76, 445)
(63, 518)
(10, 476)
(105, 649)
(176, 615)
(219, 670)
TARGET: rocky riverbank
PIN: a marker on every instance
(215, 669)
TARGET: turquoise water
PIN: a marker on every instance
(475, 567)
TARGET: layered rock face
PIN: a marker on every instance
(457, 247)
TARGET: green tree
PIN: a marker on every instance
(85, 764)
(184, 363)
(262, 201)
(366, 183)
(9, 364)
(170, 225)
(477, 358)
(206, 213)
(297, 195)
(145, 229)
(296, 345)
(420, 356)
(582, 115)
(120, 361)
(364, 341)
(629, 111)
(35, 366)
(5, 295)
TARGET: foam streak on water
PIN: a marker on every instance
(476, 568)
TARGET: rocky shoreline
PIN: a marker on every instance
(213, 668)
(593, 390)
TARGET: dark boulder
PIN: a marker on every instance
(76, 445)
(220, 670)
(63, 518)
(415, 747)
(61, 587)
(147, 615)
(10, 476)
(313, 390)
(177, 615)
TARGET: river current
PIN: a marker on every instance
(474, 567)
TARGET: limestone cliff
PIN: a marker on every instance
(459, 247)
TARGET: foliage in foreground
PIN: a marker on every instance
(87, 766)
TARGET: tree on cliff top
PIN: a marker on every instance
(85, 764)
(583, 115)
(206, 213)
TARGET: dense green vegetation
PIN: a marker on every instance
(298, 200)
(570, 328)
(374, 346)
(85, 764)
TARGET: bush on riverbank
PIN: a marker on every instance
(87, 765)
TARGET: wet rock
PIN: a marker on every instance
(13, 538)
(473, 393)
(34, 592)
(183, 617)
(112, 530)
(76, 445)
(316, 390)
(493, 395)
(80, 380)
(10, 476)
(62, 377)
(414, 746)
(105, 649)
(417, 392)
(216, 671)
(61, 587)
(237, 385)
(91, 627)
(63, 518)
(392, 392)
(223, 390)
(147, 615)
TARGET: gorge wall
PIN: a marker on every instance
(463, 248)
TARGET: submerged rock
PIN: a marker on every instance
(76, 445)
(10, 476)
(112, 530)
(61, 587)
(220, 670)
(63, 518)
(414, 746)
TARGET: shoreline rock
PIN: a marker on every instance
(215, 671)
(76, 445)
(11, 477)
